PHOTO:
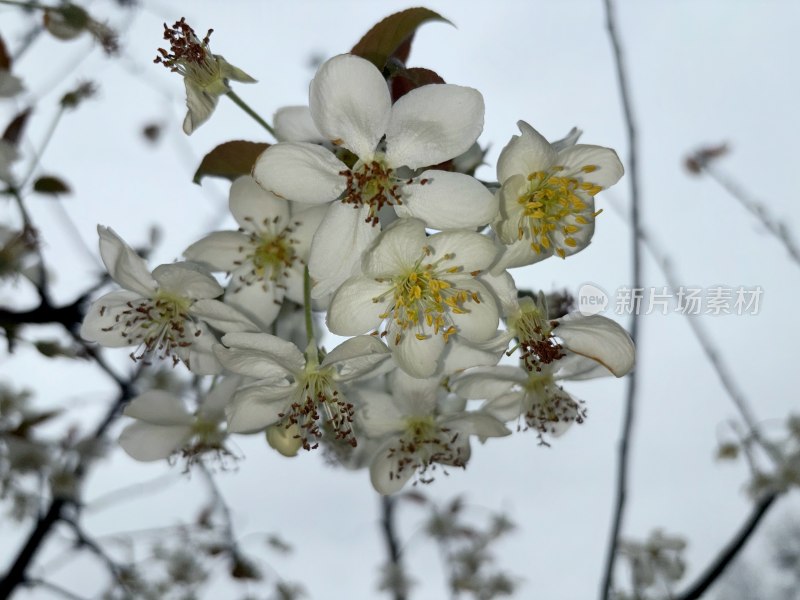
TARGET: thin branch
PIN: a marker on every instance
(85, 541)
(390, 537)
(723, 560)
(778, 229)
(63, 592)
(636, 278)
(724, 374)
(17, 573)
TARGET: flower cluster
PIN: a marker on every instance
(367, 209)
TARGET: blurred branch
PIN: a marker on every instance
(700, 162)
(84, 541)
(57, 589)
(724, 374)
(17, 573)
(390, 538)
(636, 278)
(718, 566)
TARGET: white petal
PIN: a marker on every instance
(306, 219)
(414, 396)
(356, 307)
(476, 423)
(568, 140)
(186, 279)
(147, 442)
(294, 124)
(221, 316)
(470, 251)
(104, 323)
(518, 254)
(384, 471)
(300, 172)
(418, 358)
(378, 414)
(338, 244)
(397, 249)
(481, 319)
(504, 289)
(598, 338)
(199, 356)
(255, 209)
(256, 407)
(356, 357)
(228, 71)
(460, 354)
(273, 349)
(448, 201)
(220, 250)
(158, 407)
(577, 368)
(259, 301)
(200, 105)
(608, 166)
(123, 264)
(350, 103)
(488, 383)
(525, 154)
(432, 124)
(213, 406)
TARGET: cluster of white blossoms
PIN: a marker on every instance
(364, 211)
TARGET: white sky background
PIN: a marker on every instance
(701, 72)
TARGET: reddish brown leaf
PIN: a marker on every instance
(13, 132)
(230, 160)
(403, 81)
(50, 185)
(388, 37)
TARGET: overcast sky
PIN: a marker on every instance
(701, 72)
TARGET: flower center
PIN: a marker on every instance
(317, 402)
(554, 209)
(157, 325)
(423, 296)
(550, 405)
(423, 444)
(535, 336)
(372, 184)
(189, 55)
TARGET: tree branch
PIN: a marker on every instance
(718, 566)
(636, 278)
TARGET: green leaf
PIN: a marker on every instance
(229, 160)
(48, 184)
(387, 37)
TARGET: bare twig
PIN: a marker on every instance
(636, 278)
(390, 537)
(85, 541)
(701, 162)
(723, 560)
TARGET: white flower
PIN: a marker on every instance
(547, 195)
(420, 427)
(351, 106)
(296, 389)
(163, 313)
(534, 396)
(164, 425)
(542, 340)
(266, 257)
(295, 124)
(426, 290)
(205, 75)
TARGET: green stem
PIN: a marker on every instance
(243, 105)
(307, 305)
